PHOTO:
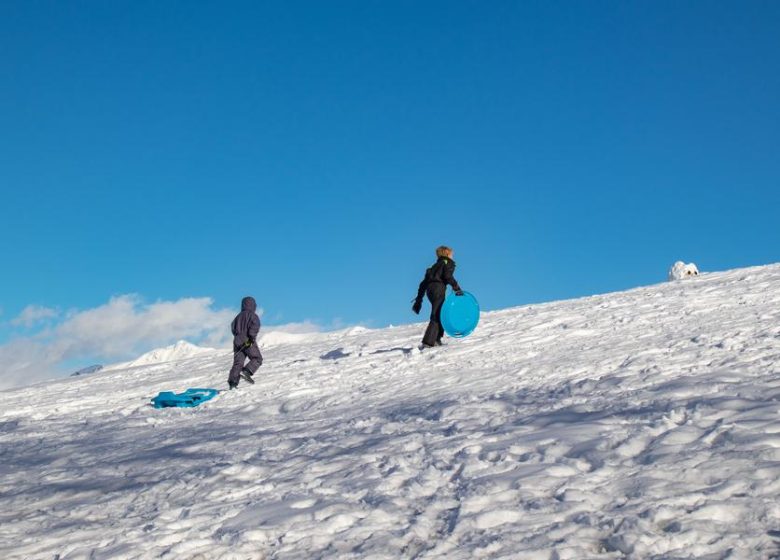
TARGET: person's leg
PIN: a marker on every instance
(255, 359)
(439, 326)
(434, 331)
(429, 338)
(238, 363)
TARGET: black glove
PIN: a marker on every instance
(416, 306)
(458, 292)
(249, 342)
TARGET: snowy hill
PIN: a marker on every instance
(182, 350)
(87, 370)
(641, 424)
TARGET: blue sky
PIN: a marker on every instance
(313, 154)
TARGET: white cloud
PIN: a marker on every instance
(122, 328)
(33, 314)
(125, 325)
(304, 327)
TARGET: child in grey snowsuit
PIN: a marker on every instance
(245, 327)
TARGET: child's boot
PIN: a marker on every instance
(245, 374)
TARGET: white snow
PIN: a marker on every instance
(681, 270)
(274, 338)
(182, 350)
(641, 424)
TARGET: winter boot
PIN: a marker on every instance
(247, 376)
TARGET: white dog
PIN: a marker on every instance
(681, 270)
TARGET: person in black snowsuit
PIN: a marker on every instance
(434, 285)
(245, 327)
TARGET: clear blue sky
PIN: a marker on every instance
(313, 154)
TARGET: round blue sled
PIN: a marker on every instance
(460, 314)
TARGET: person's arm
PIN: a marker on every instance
(417, 305)
(421, 288)
(254, 326)
(449, 276)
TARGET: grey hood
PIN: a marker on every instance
(248, 304)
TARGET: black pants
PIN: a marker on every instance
(255, 361)
(435, 331)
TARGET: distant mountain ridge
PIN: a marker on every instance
(181, 350)
(90, 369)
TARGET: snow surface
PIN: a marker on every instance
(182, 350)
(641, 424)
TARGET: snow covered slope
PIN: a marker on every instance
(642, 424)
(182, 350)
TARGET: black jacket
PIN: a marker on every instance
(246, 325)
(440, 273)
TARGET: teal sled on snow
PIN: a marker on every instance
(187, 399)
(460, 314)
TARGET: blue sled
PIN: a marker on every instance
(460, 314)
(187, 399)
